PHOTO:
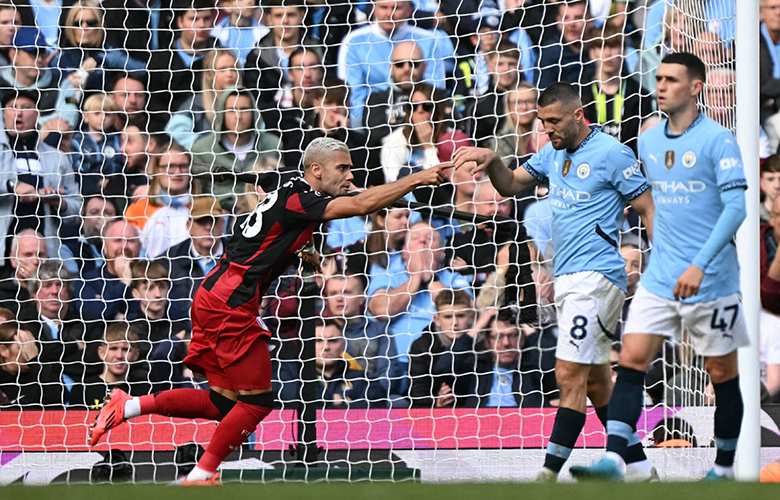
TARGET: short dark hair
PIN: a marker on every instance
(448, 297)
(304, 49)
(336, 92)
(695, 66)
(272, 4)
(560, 92)
(771, 165)
(128, 76)
(181, 7)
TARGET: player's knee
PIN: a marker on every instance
(635, 360)
(265, 399)
(222, 403)
(722, 369)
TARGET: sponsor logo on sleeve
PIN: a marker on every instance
(632, 170)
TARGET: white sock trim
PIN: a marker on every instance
(132, 408)
(198, 474)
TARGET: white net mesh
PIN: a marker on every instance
(125, 126)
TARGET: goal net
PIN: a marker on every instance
(138, 136)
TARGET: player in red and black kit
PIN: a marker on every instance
(229, 339)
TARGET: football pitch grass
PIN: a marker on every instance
(401, 491)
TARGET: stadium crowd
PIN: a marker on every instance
(124, 122)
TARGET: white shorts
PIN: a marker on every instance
(589, 307)
(715, 328)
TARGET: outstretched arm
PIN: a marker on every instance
(506, 181)
(378, 197)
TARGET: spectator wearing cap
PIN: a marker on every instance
(41, 178)
(30, 71)
(366, 53)
(564, 54)
(237, 143)
(386, 109)
(192, 259)
(174, 75)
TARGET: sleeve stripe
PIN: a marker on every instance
(641, 189)
(539, 176)
(737, 184)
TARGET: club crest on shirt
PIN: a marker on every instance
(566, 168)
(583, 170)
(689, 159)
(669, 159)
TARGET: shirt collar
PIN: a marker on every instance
(397, 34)
(699, 119)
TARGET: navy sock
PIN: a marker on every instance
(728, 420)
(635, 451)
(625, 406)
(567, 428)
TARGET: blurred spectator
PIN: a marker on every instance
(99, 143)
(196, 117)
(137, 147)
(30, 71)
(27, 252)
(332, 120)
(633, 251)
(402, 293)
(267, 66)
(485, 113)
(770, 185)
(104, 291)
(238, 29)
(472, 75)
(10, 21)
(366, 53)
(501, 383)
(679, 28)
(366, 341)
(341, 382)
(82, 245)
(27, 382)
(162, 214)
(237, 143)
(192, 259)
(118, 350)
(770, 57)
(128, 92)
(141, 27)
(175, 74)
(84, 49)
(65, 336)
(386, 109)
(382, 247)
(769, 338)
(516, 136)
(41, 177)
(162, 334)
(563, 54)
(442, 362)
(610, 98)
(414, 146)
(711, 50)
(720, 98)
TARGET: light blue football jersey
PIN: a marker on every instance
(687, 173)
(588, 192)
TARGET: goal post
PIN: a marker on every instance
(747, 94)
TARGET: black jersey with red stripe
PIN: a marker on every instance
(267, 243)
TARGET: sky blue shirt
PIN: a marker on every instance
(588, 192)
(241, 39)
(501, 390)
(687, 174)
(406, 327)
(47, 18)
(365, 55)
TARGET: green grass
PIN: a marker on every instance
(403, 491)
